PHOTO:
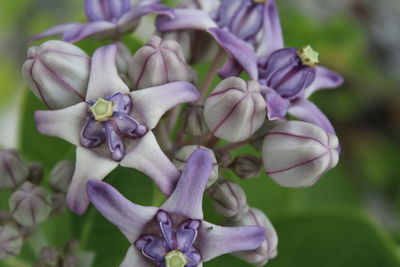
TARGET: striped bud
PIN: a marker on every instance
(297, 154)
(10, 241)
(235, 109)
(13, 171)
(57, 73)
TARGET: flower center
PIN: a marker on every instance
(175, 258)
(102, 110)
(308, 56)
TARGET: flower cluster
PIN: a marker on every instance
(123, 109)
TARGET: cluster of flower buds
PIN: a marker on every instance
(107, 105)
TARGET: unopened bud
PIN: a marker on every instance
(268, 249)
(246, 166)
(35, 172)
(10, 241)
(229, 200)
(13, 171)
(158, 62)
(235, 109)
(30, 204)
(184, 153)
(224, 158)
(297, 154)
(194, 120)
(61, 176)
(57, 72)
(49, 257)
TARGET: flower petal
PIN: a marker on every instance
(64, 123)
(104, 79)
(99, 10)
(324, 78)
(214, 240)
(92, 134)
(276, 105)
(184, 19)
(98, 29)
(134, 257)
(56, 30)
(309, 112)
(237, 48)
(151, 103)
(128, 217)
(188, 195)
(89, 165)
(135, 13)
(272, 39)
(148, 158)
(152, 247)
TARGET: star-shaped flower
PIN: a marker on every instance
(107, 18)
(113, 127)
(174, 235)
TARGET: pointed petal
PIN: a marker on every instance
(272, 39)
(276, 105)
(188, 195)
(89, 165)
(104, 79)
(148, 158)
(222, 240)
(128, 217)
(150, 104)
(99, 29)
(56, 30)
(135, 13)
(237, 48)
(231, 68)
(134, 257)
(64, 123)
(324, 79)
(309, 112)
(184, 19)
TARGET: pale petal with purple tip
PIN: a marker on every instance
(128, 217)
(272, 39)
(237, 48)
(324, 79)
(221, 240)
(135, 258)
(188, 195)
(147, 157)
(104, 79)
(65, 123)
(184, 19)
(89, 165)
(151, 103)
(307, 111)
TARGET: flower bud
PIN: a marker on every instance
(13, 171)
(297, 154)
(61, 176)
(58, 204)
(57, 73)
(30, 204)
(229, 200)
(246, 166)
(235, 109)
(184, 153)
(158, 62)
(49, 257)
(194, 120)
(10, 241)
(35, 172)
(268, 249)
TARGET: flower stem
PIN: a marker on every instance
(211, 73)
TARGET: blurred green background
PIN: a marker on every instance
(350, 218)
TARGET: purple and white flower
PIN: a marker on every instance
(174, 234)
(113, 127)
(107, 19)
